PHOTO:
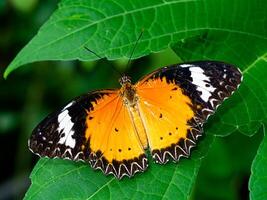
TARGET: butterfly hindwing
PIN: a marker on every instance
(179, 99)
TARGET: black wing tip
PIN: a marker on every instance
(215, 63)
(211, 62)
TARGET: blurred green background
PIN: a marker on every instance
(30, 93)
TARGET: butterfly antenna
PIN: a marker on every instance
(92, 52)
(134, 47)
(101, 58)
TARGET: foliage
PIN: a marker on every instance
(231, 31)
(257, 184)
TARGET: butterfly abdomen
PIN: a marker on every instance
(139, 125)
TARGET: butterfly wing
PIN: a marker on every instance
(95, 128)
(175, 101)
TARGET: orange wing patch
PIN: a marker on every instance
(113, 141)
(170, 136)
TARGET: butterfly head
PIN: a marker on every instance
(124, 80)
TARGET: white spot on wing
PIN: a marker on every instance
(186, 65)
(67, 106)
(65, 126)
(200, 80)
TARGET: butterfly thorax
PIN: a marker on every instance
(128, 94)
(128, 91)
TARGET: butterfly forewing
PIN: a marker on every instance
(62, 133)
(179, 99)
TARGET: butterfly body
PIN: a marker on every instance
(164, 113)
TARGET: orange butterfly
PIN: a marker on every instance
(163, 112)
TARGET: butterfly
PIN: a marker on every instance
(114, 129)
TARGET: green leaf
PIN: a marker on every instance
(111, 27)
(226, 168)
(62, 179)
(258, 179)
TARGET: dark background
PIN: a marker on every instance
(35, 90)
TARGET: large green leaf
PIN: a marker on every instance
(258, 179)
(224, 171)
(62, 179)
(111, 27)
